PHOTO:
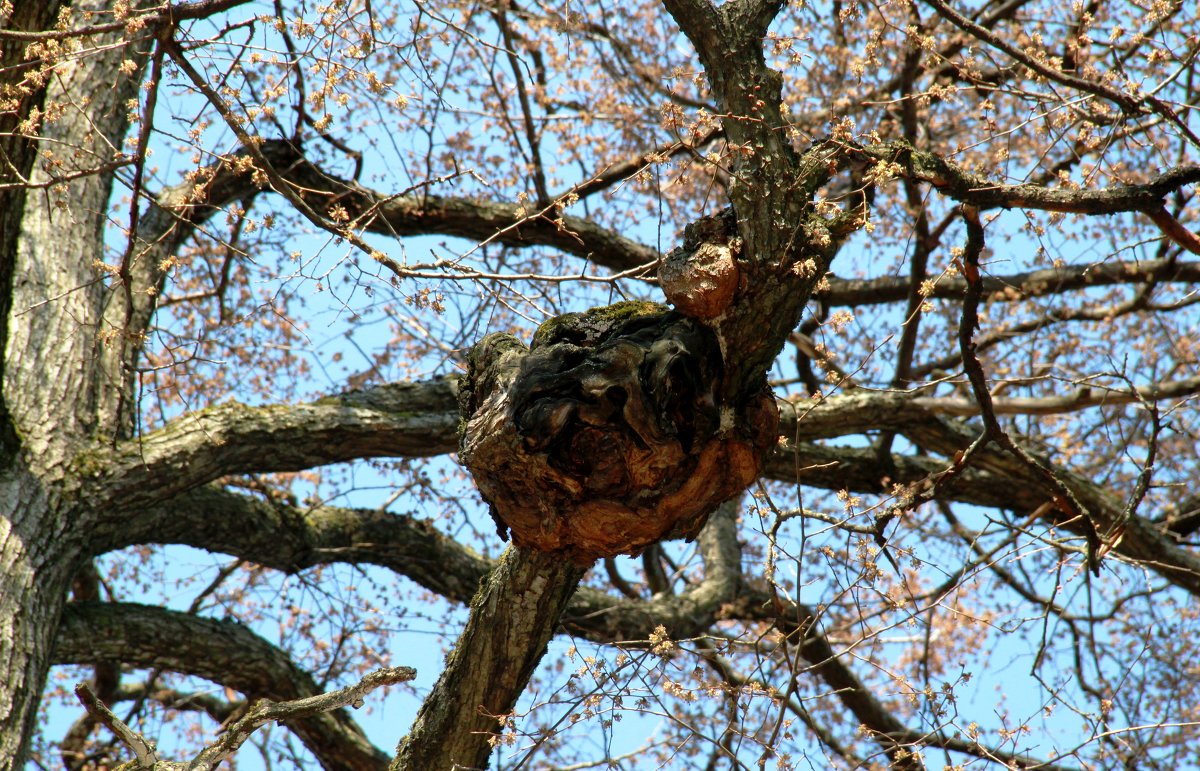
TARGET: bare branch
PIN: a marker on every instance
(221, 651)
(1017, 286)
(481, 221)
(147, 756)
(264, 712)
(1129, 103)
(421, 419)
(1063, 496)
(1085, 397)
(1142, 542)
(967, 187)
(261, 713)
(402, 420)
(418, 213)
(1174, 230)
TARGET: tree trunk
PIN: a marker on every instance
(28, 608)
(513, 616)
(35, 572)
(56, 390)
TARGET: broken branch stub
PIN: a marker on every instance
(609, 433)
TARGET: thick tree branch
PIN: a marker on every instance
(1141, 542)
(408, 547)
(146, 756)
(411, 420)
(512, 619)
(1085, 397)
(224, 652)
(1174, 230)
(421, 419)
(619, 172)
(967, 187)
(860, 470)
(290, 538)
(1017, 286)
(421, 213)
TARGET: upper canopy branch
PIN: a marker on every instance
(1015, 286)
(410, 213)
(1129, 103)
(966, 187)
(161, 14)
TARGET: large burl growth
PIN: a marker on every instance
(609, 432)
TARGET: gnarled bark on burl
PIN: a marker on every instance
(610, 432)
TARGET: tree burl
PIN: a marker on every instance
(609, 432)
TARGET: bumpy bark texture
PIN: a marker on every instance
(608, 433)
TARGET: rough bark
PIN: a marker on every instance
(512, 619)
(53, 384)
(592, 408)
(668, 395)
(290, 538)
(65, 325)
(418, 419)
(18, 99)
(403, 419)
(1018, 286)
(35, 572)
